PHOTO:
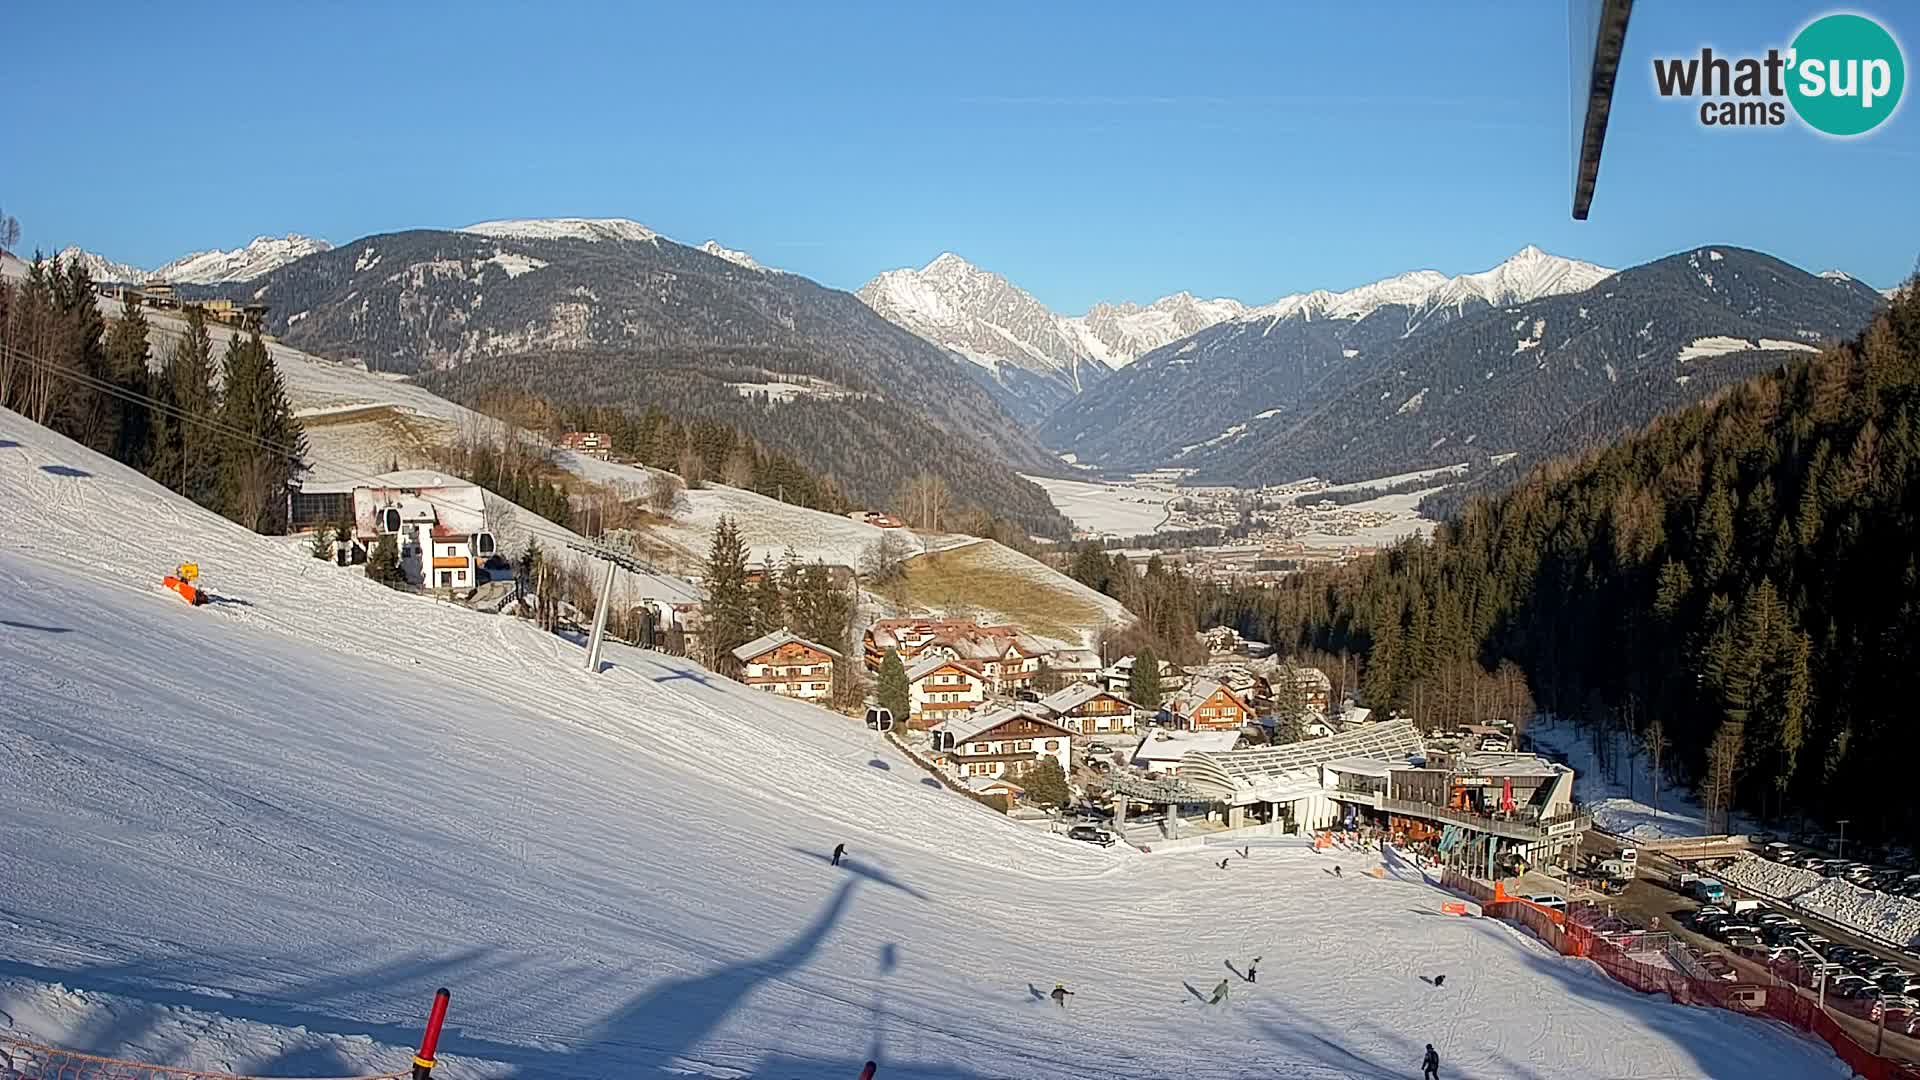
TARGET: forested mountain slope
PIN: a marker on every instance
(1740, 578)
(610, 303)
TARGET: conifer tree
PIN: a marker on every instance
(1046, 783)
(727, 609)
(1143, 685)
(185, 444)
(264, 446)
(769, 607)
(893, 690)
(323, 543)
(383, 563)
(127, 368)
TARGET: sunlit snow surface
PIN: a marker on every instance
(259, 833)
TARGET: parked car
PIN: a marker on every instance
(1547, 900)
(1091, 834)
(1709, 891)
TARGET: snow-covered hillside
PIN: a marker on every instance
(593, 230)
(257, 834)
(262, 255)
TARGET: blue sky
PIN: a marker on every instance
(1117, 151)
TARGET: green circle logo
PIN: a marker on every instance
(1847, 75)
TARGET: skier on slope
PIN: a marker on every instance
(838, 850)
(1253, 970)
(1430, 1065)
(1223, 864)
(1219, 994)
(1060, 994)
(1439, 981)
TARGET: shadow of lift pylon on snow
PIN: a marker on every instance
(651, 1036)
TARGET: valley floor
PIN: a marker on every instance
(256, 835)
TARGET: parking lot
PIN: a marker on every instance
(1657, 907)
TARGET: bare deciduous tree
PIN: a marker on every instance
(924, 502)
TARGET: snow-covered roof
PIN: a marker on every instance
(403, 479)
(1486, 763)
(965, 728)
(980, 785)
(1199, 690)
(1072, 697)
(926, 666)
(768, 642)
(1074, 660)
(417, 510)
(1176, 745)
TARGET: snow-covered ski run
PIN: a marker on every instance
(254, 836)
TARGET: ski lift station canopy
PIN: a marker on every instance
(1284, 773)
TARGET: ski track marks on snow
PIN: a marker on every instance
(264, 830)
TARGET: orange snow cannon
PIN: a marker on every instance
(182, 581)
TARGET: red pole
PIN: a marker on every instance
(430, 1041)
(867, 1073)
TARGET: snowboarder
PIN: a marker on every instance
(838, 850)
(1430, 1065)
(1060, 994)
(1219, 994)
(1253, 970)
(1439, 981)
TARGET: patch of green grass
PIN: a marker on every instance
(974, 579)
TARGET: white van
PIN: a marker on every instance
(1547, 900)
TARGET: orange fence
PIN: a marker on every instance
(1780, 1002)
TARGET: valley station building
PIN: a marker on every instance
(1477, 808)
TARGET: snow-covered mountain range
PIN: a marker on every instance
(991, 321)
(1037, 360)
(1528, 275)
(262, 255)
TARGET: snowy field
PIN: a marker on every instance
(1107, 509)
(1621, 806)
(769, 527)
(256, 835)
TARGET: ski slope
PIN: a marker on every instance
(256, 835)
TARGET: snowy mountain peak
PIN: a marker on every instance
(947, 263)
(1528, 274)
(567, 228)
(261, 255)
(987, 319)
(738, 258)
(1837, 275)
(101, 268)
